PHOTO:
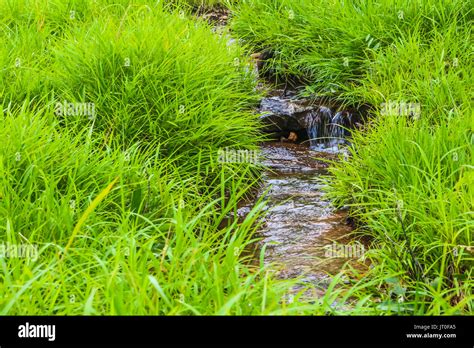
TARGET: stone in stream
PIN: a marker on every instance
(319, 124)
(281, 114)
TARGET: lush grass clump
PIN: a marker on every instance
(411, 188)
(144, 70)
(152, 238)
(409, 180)
(335, 46)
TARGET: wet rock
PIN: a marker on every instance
(284, 106)
(319, 124)
(281, 114)
(275, 123)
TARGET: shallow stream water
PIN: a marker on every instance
(301, 231)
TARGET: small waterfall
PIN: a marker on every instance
(326, 130)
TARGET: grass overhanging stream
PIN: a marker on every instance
(113, 113)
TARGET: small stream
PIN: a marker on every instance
(300, 227)
(303, 236)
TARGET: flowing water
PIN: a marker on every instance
(303, 235)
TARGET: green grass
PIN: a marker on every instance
(154, 250)
(409, 180)
(411, 189)
(337, 46)
(129, 209)
(150, 244)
